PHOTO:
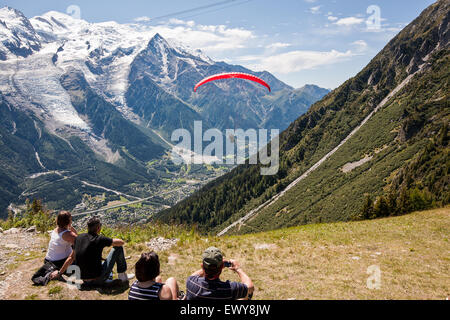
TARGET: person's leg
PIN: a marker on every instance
(58, 263)
(115, 256)
(173, 286)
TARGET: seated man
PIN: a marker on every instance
(149, 284)
(88, 250)
(205, 283)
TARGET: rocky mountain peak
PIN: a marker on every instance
(17, 35)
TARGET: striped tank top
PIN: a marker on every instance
(150, 293)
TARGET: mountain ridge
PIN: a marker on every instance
(106, 98)
(325, 125)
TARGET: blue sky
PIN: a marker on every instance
(299, 41)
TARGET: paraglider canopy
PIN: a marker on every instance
(231, 75)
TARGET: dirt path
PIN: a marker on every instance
(20, 252)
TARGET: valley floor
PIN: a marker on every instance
(322, 261)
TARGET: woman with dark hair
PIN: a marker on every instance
(61, 240)
(149, 284)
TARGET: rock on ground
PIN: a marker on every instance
(173, 258)
(161, 244)
(12, 231)
(14, 244)
(17, 245)
(265, 246)
(10, 281)
(31, 229)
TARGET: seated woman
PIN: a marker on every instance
(61, 240)
(149, 284)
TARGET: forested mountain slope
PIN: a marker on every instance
(401, 150)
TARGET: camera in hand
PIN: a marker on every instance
(227, 264)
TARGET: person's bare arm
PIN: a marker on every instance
(118, 243)
(72, 229)
(69, 237)
(200, 273)
(245, 279)
(66, 264)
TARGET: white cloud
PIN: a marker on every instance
(175, 21)
(142, 19)
(315, 10)
(226, 43)
(295, 61)
(278, 45)
(209, 38)
(310, 1)
(332, 18)
(350, 21)
(360, 45)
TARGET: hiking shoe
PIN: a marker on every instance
(181, 295)
(125, 277)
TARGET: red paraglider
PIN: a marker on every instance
(231, 75)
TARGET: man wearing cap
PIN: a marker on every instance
(205, 284)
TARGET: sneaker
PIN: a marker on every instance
(181, 295)
(125, 277)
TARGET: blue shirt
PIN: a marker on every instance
(199, 288)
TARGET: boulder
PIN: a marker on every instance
(265, 246)
(172, 258)
(31, 229)
(161, 244)
(12, 231)
(1, 230)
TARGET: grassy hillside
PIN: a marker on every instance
(407, 144)
(319, 261)
(412, 122)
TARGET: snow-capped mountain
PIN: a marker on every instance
(17, 35)
(112, 57)
(109, 94)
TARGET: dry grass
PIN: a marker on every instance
(324, 261)
(330, 261)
